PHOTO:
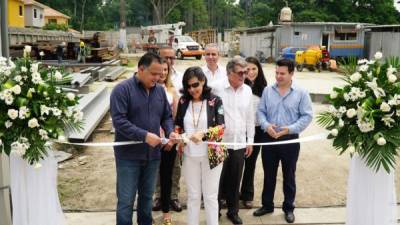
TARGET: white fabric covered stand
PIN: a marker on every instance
(371, 196)
(34, 192)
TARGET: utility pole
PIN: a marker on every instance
(4, 28)
(122, 28)
(5, 206)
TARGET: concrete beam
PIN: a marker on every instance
(114, 73)
(94, 106)
(79, 79)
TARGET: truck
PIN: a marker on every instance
(185, 46)
(156, 36)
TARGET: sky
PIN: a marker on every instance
(397, 4)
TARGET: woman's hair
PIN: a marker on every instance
(168, 82)
(197, 72)
(259, 83)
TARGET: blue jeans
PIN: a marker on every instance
(135, 176)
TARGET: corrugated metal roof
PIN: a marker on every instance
(326, 23)
(274, 27)
(383, 26)
(255, 29)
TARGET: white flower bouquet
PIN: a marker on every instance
(33, 107)
(364, 115)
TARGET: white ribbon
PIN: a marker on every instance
(165, 140)
(292, 141)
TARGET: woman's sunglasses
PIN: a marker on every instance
(194, 85)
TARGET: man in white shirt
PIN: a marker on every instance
(212, 70)
(239, 114)
(168, 54)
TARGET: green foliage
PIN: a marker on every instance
(54, 26)
(193, 12)
(348, 65)
(220, 14)
(260, 12)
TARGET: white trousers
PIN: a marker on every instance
(201, 180)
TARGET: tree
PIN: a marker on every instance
(83, 14)
(224, 13)
(192, 12)
(162, 8)
(365, 11)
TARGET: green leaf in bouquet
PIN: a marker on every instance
(341, 142)
(21, 101)
(42, 88)
(338, 90)
(378, 135)
(325, 119)
(394, 61)
(73, 126)
(381, 156)
(7, 85)
(36, 109)
(378, 71)
(348, 66)
(368, 103)
(7, 149)
(29, 94)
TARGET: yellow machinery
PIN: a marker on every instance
(310, 59)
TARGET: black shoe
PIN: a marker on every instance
(234, 218)
(176, 205)
(157, 204)
(262, 211)
(289, 217)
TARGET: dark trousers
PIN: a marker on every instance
(247, 190)
(231, 175)
(59, 59)
(271, 155)
(135, 176)
(166, 168)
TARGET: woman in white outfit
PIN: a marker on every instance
(200, 117)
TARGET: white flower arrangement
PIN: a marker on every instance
(371, 125)
(378, 55)
(33, 107)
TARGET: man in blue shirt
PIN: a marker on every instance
(138, 108)
(284, 111)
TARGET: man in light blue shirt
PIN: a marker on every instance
(284, 111)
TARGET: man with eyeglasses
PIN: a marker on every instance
(168, 54)
(212, 70)
(239, 128)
